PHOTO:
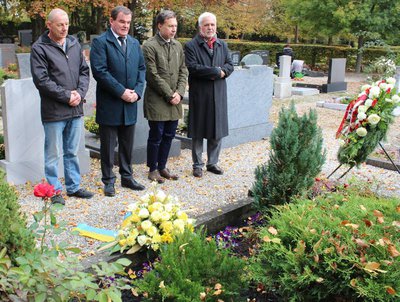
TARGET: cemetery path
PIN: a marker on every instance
(211, 192)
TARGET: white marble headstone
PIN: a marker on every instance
(24, 135)
(285, 63)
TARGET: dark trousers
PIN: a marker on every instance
(108, 141)
(159, 142)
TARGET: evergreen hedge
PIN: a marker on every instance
(316, 56)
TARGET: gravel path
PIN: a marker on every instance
(212, 191)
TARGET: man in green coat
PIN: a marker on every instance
(166, 76)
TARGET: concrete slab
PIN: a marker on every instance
(304, 91)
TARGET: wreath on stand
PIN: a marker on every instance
(366, 121)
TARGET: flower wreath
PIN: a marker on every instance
(366, 121)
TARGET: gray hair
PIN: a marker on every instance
(205, 15)
(164, 15)
(120, 9)
(54, 12)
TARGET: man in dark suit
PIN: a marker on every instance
(118, 66)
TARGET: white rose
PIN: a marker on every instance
(151, 231)
(374, 92)
(390, 86)
(361, 94)
(168, 207)
(146, 224)
(396, 98)
(145, 198)
(383, 86)
(157, 205)
(362, 108)
(179, 225)
(361, 131)
(361, 116)
(391, 80)
(142, 240)
(368, 103)
(388, 100)
(165, 216)
(143, 213)
(155, 216)
(374, 119)
(365, 87)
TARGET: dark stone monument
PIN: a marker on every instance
(235, 56)
(336, 76)
(25, 37)
(7, 55)
(264, 54)
(24, 65)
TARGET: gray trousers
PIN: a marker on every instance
(213, 151)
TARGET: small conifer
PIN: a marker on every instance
(295, 160)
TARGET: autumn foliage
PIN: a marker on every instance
(341, 247)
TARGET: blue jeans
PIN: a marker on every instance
(62, 137)
(159, 142)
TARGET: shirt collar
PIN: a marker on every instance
(116, 36)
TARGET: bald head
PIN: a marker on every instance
(55, 13)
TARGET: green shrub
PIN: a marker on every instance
(313, 55)
(13, 232)
(295, 160)
(340, 247)
(192, 267)
(90, 123)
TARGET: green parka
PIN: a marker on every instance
(166, 73)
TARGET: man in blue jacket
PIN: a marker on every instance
(61, 75)
(118, 66)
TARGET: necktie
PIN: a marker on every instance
(123, 44)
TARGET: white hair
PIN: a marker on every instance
(56, 12)
(205, 15)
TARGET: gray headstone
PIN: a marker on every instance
(264, 55)
(235, 56)
(337, 70)
(25, 37)
(24, 65)
(251, 59)
(7, 55)
(24, 135)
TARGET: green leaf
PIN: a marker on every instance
(115, 296)
(103, 297)
(74, 250)
(53, 219)
(40, 297)
(90, 294)
(107, 246)
(38, 216)
(124, 261)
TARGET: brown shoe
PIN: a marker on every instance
(197, 172)
(166, 174)
(155, 176)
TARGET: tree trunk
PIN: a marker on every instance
(296, 34)
(99, 20)
(132, 7)
(330, 40)
(37, 27)
(359, 53)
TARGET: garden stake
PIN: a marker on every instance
(388, 156)
(334, 171)
(346, 172)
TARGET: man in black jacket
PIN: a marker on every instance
(61, 75)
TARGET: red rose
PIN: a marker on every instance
(43, 190)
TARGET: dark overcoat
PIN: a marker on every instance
(208, 110)
(115, 71)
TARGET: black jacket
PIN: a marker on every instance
(56, 74)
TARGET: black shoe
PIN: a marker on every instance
(58, 199)
(215, 169)
(132, 184)
(81, 193)
(109, 190)
(197, 172)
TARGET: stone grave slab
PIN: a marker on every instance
(235, 56)
(24, 65)
(304, 91)
(251, 59)
(7, 55)
(264, 55)
(283, 83)
(24, 134)
(336, 76)
(25, 37)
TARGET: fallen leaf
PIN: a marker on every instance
(134, 292)
(368, 223)
(203, 296)
(392, 250)
(361, 243)
(218, 286)
(320, 280)
(352, 225)
(390, 290)
(372, 266)
(380, 220)
(396, 224)
(378, 213)
(362, 208)
(353, 282)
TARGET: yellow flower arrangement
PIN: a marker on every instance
(154, 219)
